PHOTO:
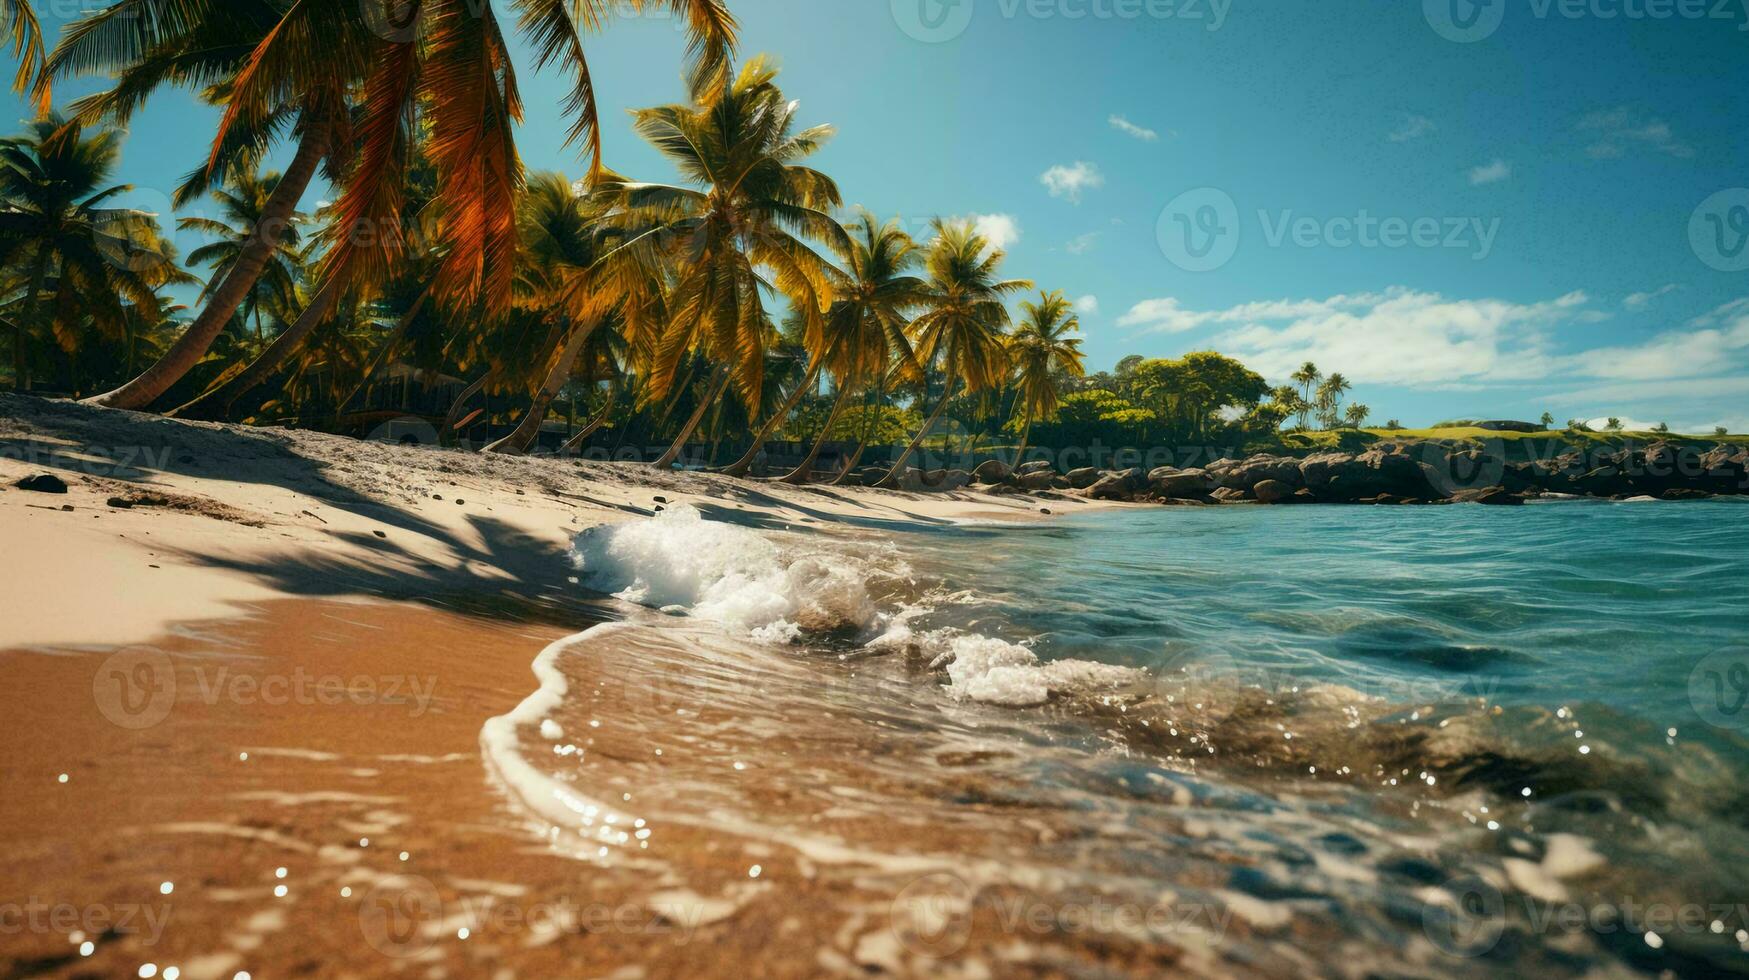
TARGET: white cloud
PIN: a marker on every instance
(1000, 230)
(1616, 131)
(1082, 244)
(1639, 301)
(1490, 173)
(1087, 305)
(1142, 133)
(1412, 128)
(1070, 181)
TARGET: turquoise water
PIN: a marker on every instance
(1523, 685)
(1611, 604)
(1335, 741)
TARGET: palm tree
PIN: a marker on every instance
(242, 203)
(866, 328)
(433, 72)
(1357, 415)
(1330, 399)
(18, 21)
(739, 229)
(1307, 376)
(567, 259)
(71, 261)
(961, 327)
(1043, 352)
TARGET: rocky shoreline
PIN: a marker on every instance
(1408, 473)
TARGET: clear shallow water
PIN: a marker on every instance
(1329, 741)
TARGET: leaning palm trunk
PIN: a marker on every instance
(868, 430)
(716, 391)
(576, 442)
(388, 350)
(454, 414)
(518, 441)
(239, 279)
(745, 463)
(1025, 434)
(892, 479)
(800, 474)
(215, 404)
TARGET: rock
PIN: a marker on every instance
(1343, 477)
(991, 471)
(1082, 478)
(1061, 483)
(1605, 481)
(659, 499)
(1044, 510)
(1227, 494)
(954, 480)
(1272, 491)
(379, 534)
(869, 476)
(1036, 466)
(1496, 496)
(1685, 493)
(1037, 480)
(1172, 482)
(120, 503)
(1003, 490)
(42, 483)
(1121, 485)
(1248, 473)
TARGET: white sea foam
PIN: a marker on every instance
(680, 562)
(726, 574)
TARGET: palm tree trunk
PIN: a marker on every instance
(868, 430)
(716, 391)
(215, 404)
(32, 307)
(455, 409)
(800, 474)
(745, 463)
(388, 348)
(595, 424)
(518, 441)
(892, 479)
(1025, 434)
(238, 281)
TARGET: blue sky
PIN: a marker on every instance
(1541, 210)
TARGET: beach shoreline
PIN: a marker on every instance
(189, 519)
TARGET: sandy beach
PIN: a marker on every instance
(250, 670)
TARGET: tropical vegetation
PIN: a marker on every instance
(737, 316)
